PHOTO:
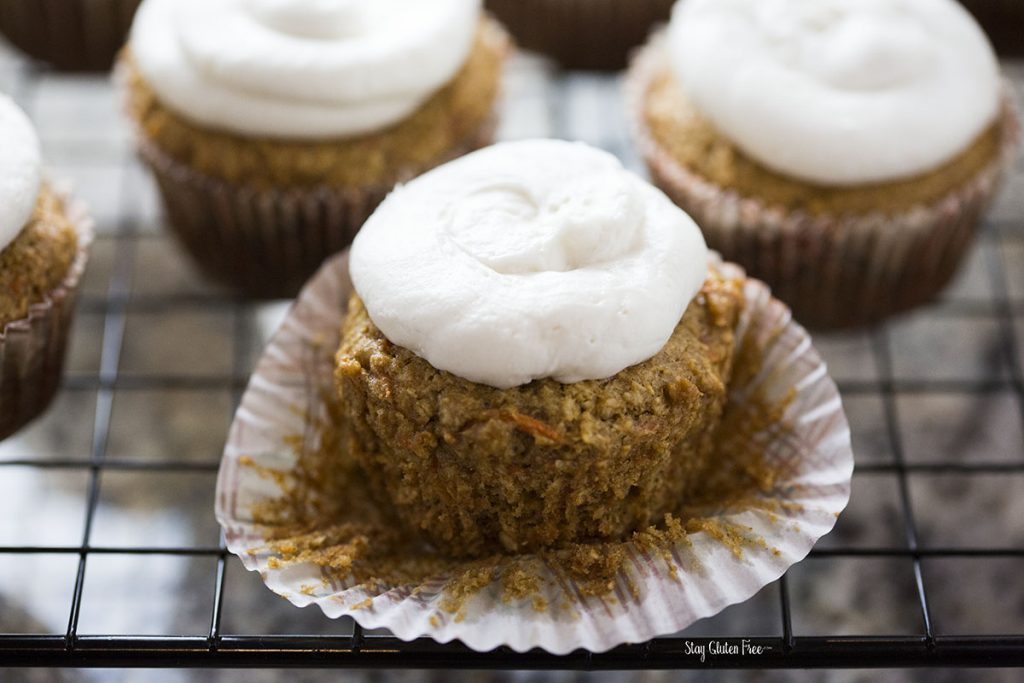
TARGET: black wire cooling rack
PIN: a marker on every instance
(544, 103)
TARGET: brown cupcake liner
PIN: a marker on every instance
(1002, 21)
(582, 34)
(833, 271)
(72, 35)
(32, 348)
(266, 243)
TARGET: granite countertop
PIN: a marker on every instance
(953, 368)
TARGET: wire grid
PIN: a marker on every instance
(540, 102)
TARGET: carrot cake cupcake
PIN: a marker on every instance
(842, 150)
(275, 127)
(72, 35)
(42, 256)
(537, 352)
(582, 34)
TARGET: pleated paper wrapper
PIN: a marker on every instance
(33, 348)
(72, 35)
(582, 34)
(647, 600)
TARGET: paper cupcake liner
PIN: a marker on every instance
(1002, 21)
(814, 452)
(32, 348)
(582, 34)
(73, 35)
(834, 271)
(266, 243)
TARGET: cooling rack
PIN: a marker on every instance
(116, 481)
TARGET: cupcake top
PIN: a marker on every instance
(838, 92)
(20, 170)
(301, 69)
(529, 260)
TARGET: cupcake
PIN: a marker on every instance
(536, 353)
(271, 147)
(843, 151)
(73, 35)
(43, 250)
(582, 34)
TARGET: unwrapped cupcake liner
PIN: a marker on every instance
(813, 453)
(582, 34)
(73, 35)
(32, 349)
(834, 271)
(266, 243)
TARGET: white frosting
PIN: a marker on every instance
(528, 260)
(838, 92)
(301, 69)
(20, 170)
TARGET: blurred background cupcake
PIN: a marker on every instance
(844, 151)
(275, 127)
(73, 35)
(582, 34)
(43, 251)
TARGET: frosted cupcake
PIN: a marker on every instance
(537, 352)
(582, 34)
(72, 35)
(43, 250)
(275, 127)
(844, 150)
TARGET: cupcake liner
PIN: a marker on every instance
(32, 348)
(654, 594)
(1001, 20)
(582, 34)
(834, 271)
(73, 35)
(266, 243)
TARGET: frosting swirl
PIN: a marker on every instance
(528, 260)
(838, 92)
(301, 69)
(20, 170)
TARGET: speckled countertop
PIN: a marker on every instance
(955, 399)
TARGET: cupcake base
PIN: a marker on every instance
(72, 35)
(478, 470)
(266, 243)
(32, 349)
(834, 271)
